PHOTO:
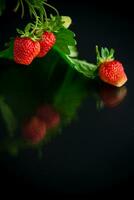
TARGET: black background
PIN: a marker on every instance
(96, 154)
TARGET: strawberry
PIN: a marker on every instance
(48, 114)
(110, 71)
(111, 96)
(47, 41)
(25, 50)
(34, 130)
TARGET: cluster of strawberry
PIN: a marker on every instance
(26, 49)
(38, 38)
(110, 70)
(35, 128)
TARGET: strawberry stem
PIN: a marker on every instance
(17, 6)
(52, 8)
(23, 11)
(35, 7)
(20, 2)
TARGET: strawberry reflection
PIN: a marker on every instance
(52, 102)
(34, 130)
(111, 96)
(49, 115)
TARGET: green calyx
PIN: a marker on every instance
(104, 55)
(35, 30)
(30, 32)
(52, 24)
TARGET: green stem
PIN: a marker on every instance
(45, 13)
(36, 24)
(64, 56)
(31, 9)
(48, 5)
(17, 6)
(22, 7)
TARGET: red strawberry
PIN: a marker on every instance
(34, 130)
(112, 96)
(110, 71)
(46, 43)
(25, 50)
(48, 114)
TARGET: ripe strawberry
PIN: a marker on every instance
(48, 114)
(111, 96)
(46, 43)
(110, 71)
(34, 130)
(25, 50)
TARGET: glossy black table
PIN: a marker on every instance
(89, 147)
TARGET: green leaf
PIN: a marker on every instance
(8, 53)
(98, 56)
(66, 32)
(64, 39)
(2, 6)
(63, 48)
(112, 53)
(104, 53)
(66, 21)
(70, 96)
(87, 69)
(53, 24)
(8, 116)
(73, 51)
(28, 27)
(20, 31)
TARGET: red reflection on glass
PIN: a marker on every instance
(34, 130)
(112, 96)
(49, 115)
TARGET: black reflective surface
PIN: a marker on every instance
(86, 139)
